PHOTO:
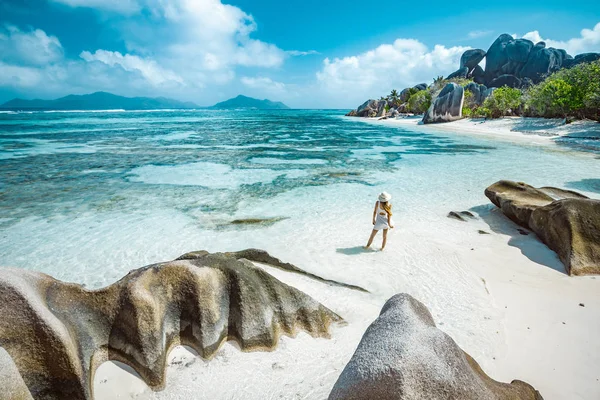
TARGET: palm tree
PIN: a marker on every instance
(393, 96)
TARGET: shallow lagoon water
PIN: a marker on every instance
(88, 196)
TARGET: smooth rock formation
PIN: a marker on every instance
(459, 73)
(368, 109)
(478, 75)
(478, 93)
(470, 59)
(581, 58)
(404, 356)
(566, 221)
(447, 106)
(56, 334)
(420, 86)
(381, 109)
(505, 80)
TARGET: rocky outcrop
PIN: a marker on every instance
(54, 335)
(470, 59)
(381, 109)
(581, 58)
(367, 109)
(447, 106)
(516, 63)
(525, 62)
(459, 73)
(479, 93)
(404, 356)
(566, 221)
(505, 80)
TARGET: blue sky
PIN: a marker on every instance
(309, 53)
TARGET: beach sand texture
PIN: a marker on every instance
(503, 297)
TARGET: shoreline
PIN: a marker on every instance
(518, 130)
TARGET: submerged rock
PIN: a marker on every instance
(257, 221)
(566, 221)
(404, 356)
(56, 334)
(447, 106)
(461, 215)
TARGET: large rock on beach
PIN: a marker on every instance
(368, 109)
(447, 106)
(54, 335)
(420, 86)
(381, 108)
(404, 356)
(471, 58)
(566, 221)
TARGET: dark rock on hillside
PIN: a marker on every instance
(566, 221)
(522, 59)
(459, 73)
(54, 335)
(541, 62)
(404, 356)
(581, 58)
(471, 58)
(420, 86)
(505, 80)
(478, 74)
(478, 91)
(447, 106)
(496, 57)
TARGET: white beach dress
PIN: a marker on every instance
(381, 222)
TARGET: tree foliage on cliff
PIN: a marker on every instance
(419, 102)
(568, 92)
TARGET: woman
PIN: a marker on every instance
(382, 218)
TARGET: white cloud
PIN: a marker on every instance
(34, 47)
(401, 64)
(296, 53)
(17, 76)
(478, 34)
(149, 69)
(263, 83)
(120, 6)
(589, 41)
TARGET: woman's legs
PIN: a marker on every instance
(371, 238)
(384, 239)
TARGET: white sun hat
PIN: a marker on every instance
(385, 197)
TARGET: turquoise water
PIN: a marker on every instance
(86, 196)
(204, 161)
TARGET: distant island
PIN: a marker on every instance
(98, 101)
(109, 101)
(248, 102)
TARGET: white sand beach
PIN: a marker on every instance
(504, 297)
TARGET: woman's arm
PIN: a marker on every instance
(390, 219)
(375, 212)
